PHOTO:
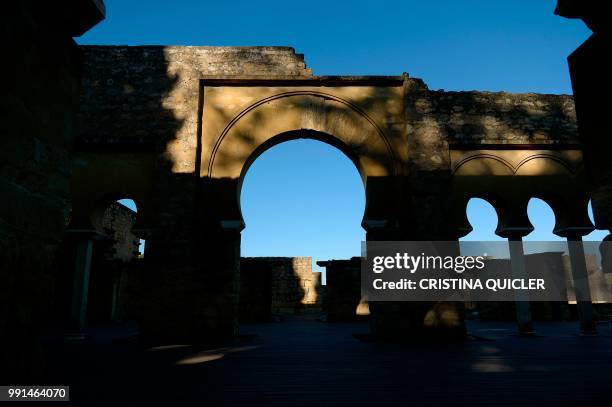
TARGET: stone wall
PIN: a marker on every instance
(343, 301)
(39, 103)
(117, 223)
(149, 94)
(499, 117)
(278, 286)
(146, 99)
(114, 262)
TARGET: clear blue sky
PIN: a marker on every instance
(294, 208)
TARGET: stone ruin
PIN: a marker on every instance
(278, 287)
(176, 128)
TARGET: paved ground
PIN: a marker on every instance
(301, 363)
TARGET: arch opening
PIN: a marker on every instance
(115, 253)
(308, 135)
(302, 202)
(115, 216)
(596, 235)
(483, 218)
(543, 218)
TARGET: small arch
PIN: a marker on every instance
(115, 216)
(483, 217)
(544, 220)
(596, 235)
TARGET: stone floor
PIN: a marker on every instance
(309, 363)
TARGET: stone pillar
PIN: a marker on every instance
(517, 263)
(580, 278)
(80, 289)
(513, 225)
(436, 321)
(572, 225)
(193, 297)
(82, 243)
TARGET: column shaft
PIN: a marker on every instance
(580, 278)
(517, 262)
(80, 291)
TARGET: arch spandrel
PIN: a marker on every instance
(238, 121)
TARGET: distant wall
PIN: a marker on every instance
(117, 224)
(277, 286)
(343, 295)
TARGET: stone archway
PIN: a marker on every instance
(239, 123)
(240, 120)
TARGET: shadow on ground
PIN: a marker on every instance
(314, 363)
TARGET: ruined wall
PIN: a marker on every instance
(147, 99)
(117, 223)
(343, 296)
(294, 285)
(499, 117)
(440, 121)
(149, 94)
(114, 265)
(278, 286)
(39, 102)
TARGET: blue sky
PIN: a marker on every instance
(293, 207)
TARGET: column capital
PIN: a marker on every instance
(573, 231)
(516, 232)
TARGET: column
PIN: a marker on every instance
(82, 242)
(517, 263)
(513, 225)
(580, 278)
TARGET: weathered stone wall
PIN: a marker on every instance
(499, 117)
(149, 94)
(39, 100)
(117, 222)
(278, 286)
(114, 261)
(439, 121)
(343, 296)
(146, 99)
